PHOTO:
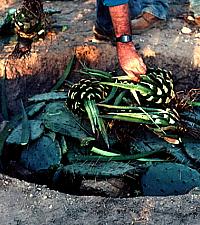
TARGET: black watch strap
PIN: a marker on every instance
(124, 38)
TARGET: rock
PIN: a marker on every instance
(197, 35)
(186, 30)
(113, 187)
(190, 18)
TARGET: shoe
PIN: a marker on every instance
(103, 35)
(197, 21)
(145, 22)
(191, 19)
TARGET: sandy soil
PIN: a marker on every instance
(24, 203)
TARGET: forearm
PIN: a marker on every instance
(129, 60)
(120, 19)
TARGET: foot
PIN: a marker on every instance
(145, 22)
(103, 35)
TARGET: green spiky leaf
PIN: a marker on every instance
(103, 152)
(66, 74)
(96, 73)
(75, 158)
(97, 122)
(136, 87)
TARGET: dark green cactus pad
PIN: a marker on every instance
(192, 147)
(190, 121)
(147, 142)
(192, 115)
(36, 108)
(49, 96)
(156, 144)
(41, 155)
(59, 119)
(103, 169)
(36, 130)
(179, 155)
(169, 179)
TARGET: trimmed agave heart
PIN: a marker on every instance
(82, 97)
(156, 87)
(161, 83)
(85, 90)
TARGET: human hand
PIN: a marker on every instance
(130, 61)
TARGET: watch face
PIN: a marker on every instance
(124, 38)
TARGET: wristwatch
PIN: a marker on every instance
(124, 38)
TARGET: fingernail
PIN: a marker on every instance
(136, 79)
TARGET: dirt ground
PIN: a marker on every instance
(167, 48)
(24, 203)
